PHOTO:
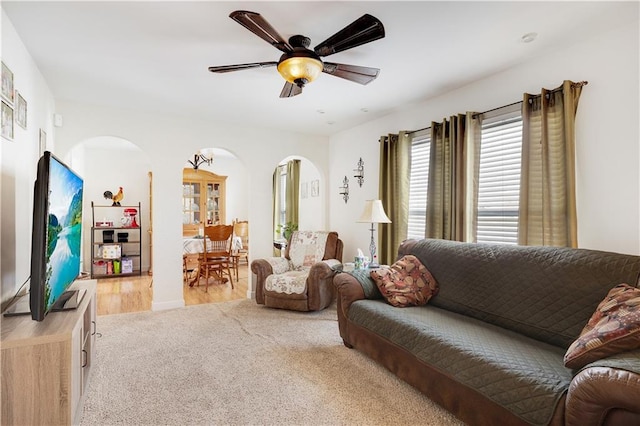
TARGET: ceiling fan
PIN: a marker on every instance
(300, 65)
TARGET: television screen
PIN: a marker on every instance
(56, 238)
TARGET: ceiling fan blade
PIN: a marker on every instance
(255, 23)
(363, 30)
(240, 67)
(289, 90)
(362, 75)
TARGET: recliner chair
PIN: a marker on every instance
(302, 280)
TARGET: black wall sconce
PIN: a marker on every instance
(344, 189)
(359, 172)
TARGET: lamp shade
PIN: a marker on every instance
(300, 67)
(374, 213)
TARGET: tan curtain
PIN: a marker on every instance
(276, 207)
(395, 164)
(292, 191)
(473, 136)
(547, 186)
(453, 172)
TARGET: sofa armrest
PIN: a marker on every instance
(263, 268)
(270, 265)
(606, 392)
(334, 264)
(320, 290)
(352, 286)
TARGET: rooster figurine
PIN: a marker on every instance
(115, 198)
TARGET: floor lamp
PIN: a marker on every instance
(373, 213)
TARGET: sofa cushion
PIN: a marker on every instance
(290, 282)
(405, 283)
(548, 293)
(613, 328)
(525, 376)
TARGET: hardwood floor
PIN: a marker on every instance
(134, 294)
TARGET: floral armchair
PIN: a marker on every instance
(302, 280)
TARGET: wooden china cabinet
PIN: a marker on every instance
(203, 200)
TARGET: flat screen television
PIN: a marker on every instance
(56, 237)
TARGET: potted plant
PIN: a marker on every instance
(287, 229)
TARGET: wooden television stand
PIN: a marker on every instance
(46, 365)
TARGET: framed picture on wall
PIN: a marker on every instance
(7, 84)
(315, 188)
(7, 121)
(21, 111)
(304, 190)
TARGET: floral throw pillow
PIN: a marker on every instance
(406, 283)
(613, 328)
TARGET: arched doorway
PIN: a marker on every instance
(214, 193)
(309, 200)
(108, 163)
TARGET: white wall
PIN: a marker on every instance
(18, 159)
(607, 137)
(169, 141)
(312, 208)
(236, 201)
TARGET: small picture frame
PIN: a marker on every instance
(7, 84)
(21, 111)
(304, 190)
(7, 121)
(42, 142)
(315, 188)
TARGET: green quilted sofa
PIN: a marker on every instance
(489, 346)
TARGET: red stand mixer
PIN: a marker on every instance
(130, 218)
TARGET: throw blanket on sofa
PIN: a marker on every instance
(547, 293)
(523, 375)
(307, 248)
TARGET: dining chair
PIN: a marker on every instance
(185, 271)
(241, 230)
(216, 261)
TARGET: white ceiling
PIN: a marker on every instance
(153, 56)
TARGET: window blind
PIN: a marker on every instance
(499, 176)
(418, 183)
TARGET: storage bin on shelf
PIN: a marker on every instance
(127, 265)
(111, 251)
(99, 267)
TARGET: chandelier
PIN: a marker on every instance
(199, 159)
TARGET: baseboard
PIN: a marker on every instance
(162, 306)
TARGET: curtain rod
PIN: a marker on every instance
(578, 84)
(474, 115)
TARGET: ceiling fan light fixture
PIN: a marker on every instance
(300, 69)
(299, 64)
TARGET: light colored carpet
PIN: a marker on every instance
(238, 363)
